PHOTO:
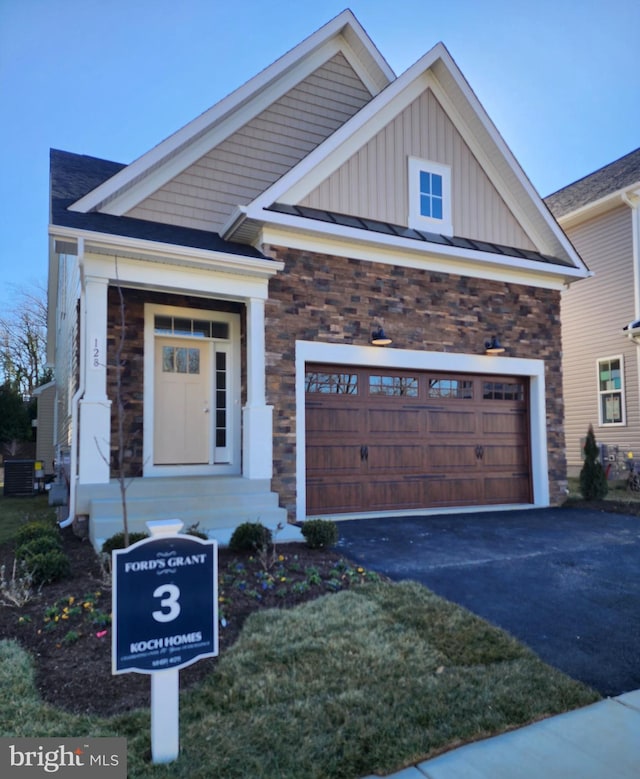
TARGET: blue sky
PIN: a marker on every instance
(112, 78)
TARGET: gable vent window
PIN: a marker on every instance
(430, 196)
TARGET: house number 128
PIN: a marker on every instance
(170, 602)
(95, 353)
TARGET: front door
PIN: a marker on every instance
(182, 425)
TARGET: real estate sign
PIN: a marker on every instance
(165, 604)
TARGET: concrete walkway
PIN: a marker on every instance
(601, 741)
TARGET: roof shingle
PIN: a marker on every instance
(618, 175)
(73, 175)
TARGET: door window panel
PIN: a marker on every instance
(180, 360)
(451, 388)
(221, 399)
(405, 386)
(336, 383)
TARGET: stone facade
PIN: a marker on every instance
(339, 300)
(323, 298)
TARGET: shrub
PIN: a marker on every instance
(192, 530)
(319, 533)
(117, 541)
(593, 480)
(40, 545)
(36, 529)
(250, 537)
(47, 567)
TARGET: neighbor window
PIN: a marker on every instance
(610, 391)
(430, 196)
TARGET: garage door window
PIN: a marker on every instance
(394, 385)
(451, 388)
(331, 383)
(500, 390)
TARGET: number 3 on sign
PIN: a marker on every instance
(170, 602)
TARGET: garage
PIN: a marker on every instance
(390, 440)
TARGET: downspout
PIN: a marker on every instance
(632, 200)
(75, 401)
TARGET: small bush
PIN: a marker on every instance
(593, 480)
(40, 545)
(250, 537)
(47, 567)
(117, 541)
(36, 529)
(319, 533)
(192, 530)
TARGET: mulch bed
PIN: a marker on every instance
(72, 656)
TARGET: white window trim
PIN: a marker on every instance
(232, 347)
(417, 221)
(601, 422)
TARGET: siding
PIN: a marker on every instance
(67, 340)
(594, 311)
(253, 158)
(373, 183)
(45, 450)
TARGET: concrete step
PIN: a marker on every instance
(218, 505)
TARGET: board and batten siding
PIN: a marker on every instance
(373, 183)
(594, 312)
(258, 154)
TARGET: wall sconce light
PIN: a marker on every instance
(378, 338)
(493, 346)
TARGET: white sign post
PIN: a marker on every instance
(165, 617)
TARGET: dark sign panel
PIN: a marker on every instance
(165, 604)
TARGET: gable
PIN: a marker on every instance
(373, 182)
(243, 165)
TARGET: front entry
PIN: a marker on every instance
(192, 392)
(182, 429)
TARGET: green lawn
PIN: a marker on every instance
(365, 680)
(618, 492)
(16, 511)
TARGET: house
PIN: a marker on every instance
(45, 425)
(600, 327)
(237, 271)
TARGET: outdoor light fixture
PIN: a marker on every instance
(493, 346)
(378, 338)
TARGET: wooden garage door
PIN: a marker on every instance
(384, 440)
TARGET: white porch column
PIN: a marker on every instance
(257, 419)
(94, 407)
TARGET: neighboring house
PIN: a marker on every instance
(45, 427)
(257, 249)
(601, 365)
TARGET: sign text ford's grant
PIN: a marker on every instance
(165, 604)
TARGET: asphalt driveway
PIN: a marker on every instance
(566, 582)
